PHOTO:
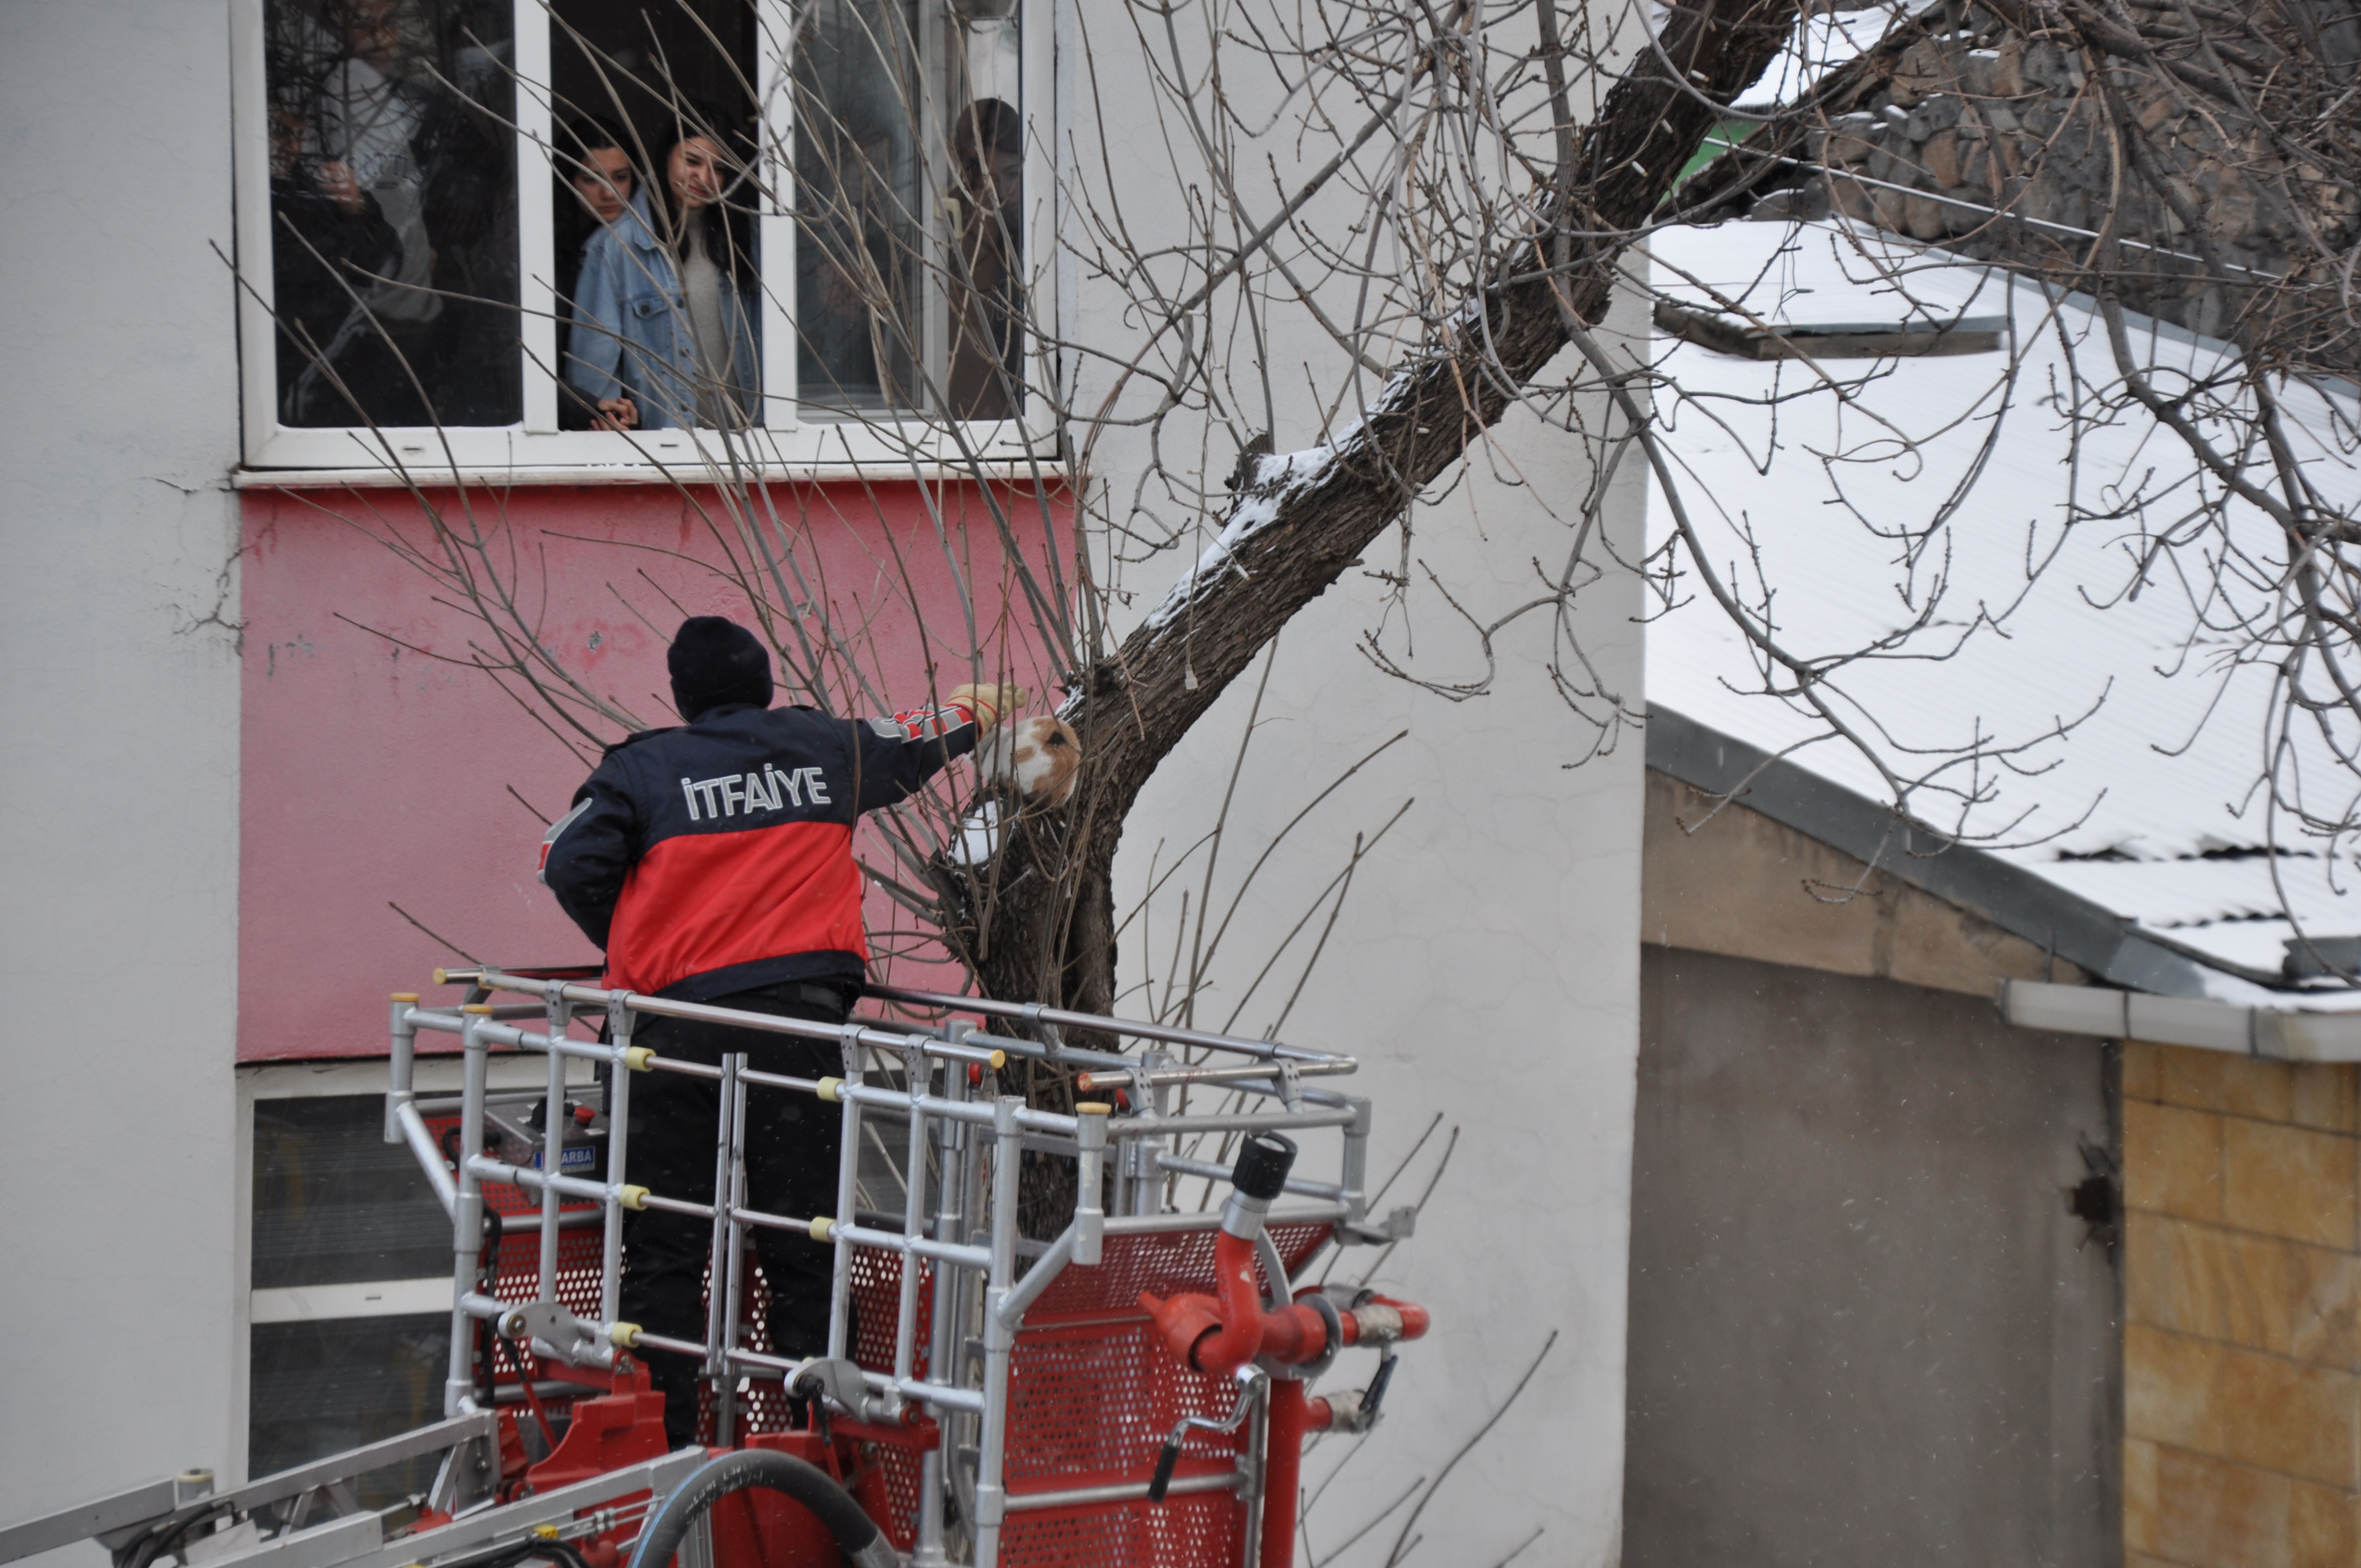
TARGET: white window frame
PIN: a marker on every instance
(373, 1299)
(792, 445)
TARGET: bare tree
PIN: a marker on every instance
(1380, 230)
(1496, 174)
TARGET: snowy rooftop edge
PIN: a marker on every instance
(2108, 946)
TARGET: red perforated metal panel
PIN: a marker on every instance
(516, 1259)
(1162, 1263)
(1092, 1393)
(877, 1304)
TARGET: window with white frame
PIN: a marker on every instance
(512, 232)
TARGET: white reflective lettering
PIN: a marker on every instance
(793, 784)
(733, 794)
(689, 790)
(815, 786)
(758, 794)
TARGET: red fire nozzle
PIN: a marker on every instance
(1220, 1335)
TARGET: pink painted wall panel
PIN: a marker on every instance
(377, 774)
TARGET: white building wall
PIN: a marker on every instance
(1485, 969)
(119, 773)
(1485, 964)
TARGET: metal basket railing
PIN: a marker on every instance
(956, 1236)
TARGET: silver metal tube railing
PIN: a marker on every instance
(413, 1128)
(1205, 1168)
(466, 1229)
(619, 1136)
(1033, 1012)
(728, 1162)
(999, 1335)
(552, 1149)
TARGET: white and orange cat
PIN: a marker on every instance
(1032, 760)
(1027, 763)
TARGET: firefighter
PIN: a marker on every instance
(713, 862)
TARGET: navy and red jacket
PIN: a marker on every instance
(718, 857)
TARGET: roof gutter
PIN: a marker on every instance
(2261, 1032)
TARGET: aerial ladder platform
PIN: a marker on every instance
(1131, 1390)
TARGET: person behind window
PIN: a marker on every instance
(857, 242)
(367, 121)
(465, 152)
(329, 239)
(663, 323)
(597, 186)
(987, 171)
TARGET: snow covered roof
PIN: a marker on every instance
(1823, 41)
(2147, 805)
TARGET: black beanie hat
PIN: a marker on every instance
(715, 661)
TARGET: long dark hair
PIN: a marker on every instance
(725, 224)
(577, 140)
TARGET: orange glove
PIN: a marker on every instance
(988, 703)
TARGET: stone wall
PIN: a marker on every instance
(2004, 146)
(2241, 1279)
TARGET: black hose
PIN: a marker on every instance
(856, 1533)
(558, 1551)
(564, 1553)
(171, 1537)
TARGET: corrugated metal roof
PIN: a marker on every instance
(2143, 796)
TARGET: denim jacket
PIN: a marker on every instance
(632, 335)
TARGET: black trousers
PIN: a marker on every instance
(792, 1143)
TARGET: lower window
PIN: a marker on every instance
(350, 1290)
(318, 1389)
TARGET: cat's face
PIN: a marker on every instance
(1037, 758)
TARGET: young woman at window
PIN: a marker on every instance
(597, 186)
(664, 311)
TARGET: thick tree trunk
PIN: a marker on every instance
(1039, 924)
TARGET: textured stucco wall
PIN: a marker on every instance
(1483, 963)
(118, 791)
(1483, 967)
(1865, 1328)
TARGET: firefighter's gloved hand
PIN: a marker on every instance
(989, 703)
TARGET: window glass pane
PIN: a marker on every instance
(986, 208)
(320, 1388)
(659, 290)
(334, 1202)
(856, 106)
(394, 211)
